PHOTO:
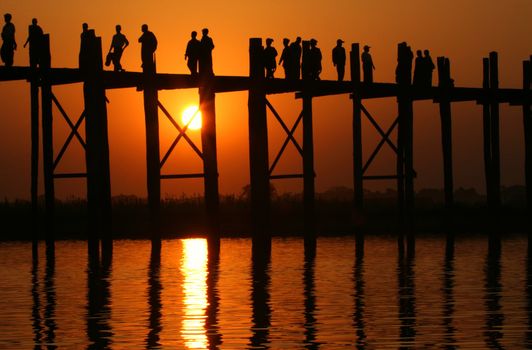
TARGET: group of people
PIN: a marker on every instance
(9, 44)
(198, 54)
(423, 68)
(300, 59)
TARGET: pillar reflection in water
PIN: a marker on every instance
(528, 336)
(494, 317)
(260, 293)
(213, 298)
(49, 286)
(194, 270)
(407, 298)
(358, 316)
(448, 294)
(36, 300)
(154, 298)
(309, 293)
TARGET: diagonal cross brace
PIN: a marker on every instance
(378, 128)
(286, 141)
(285, 128)
(379, 146)
(182, 134)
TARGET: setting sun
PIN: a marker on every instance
(192, 112)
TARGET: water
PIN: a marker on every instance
(477, 295)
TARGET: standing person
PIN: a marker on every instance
(420, 70)
(118, 45)
(295, 56)
(148, 46)
(429, 66)
(338, 58)
(9, 45)
(367, 65)
(192, 53)
(270, 54)
(205, 59)
(315, 60)
(286, 59)
(35, 35)
(306, 61)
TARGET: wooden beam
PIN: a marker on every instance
(527, 126)
(358, 186)
(444, 82)
(308, 169)
(495, 131)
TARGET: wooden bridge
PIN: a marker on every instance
(96, 144)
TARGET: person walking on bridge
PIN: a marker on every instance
(35, 35)
(286, 59)
(338, 58)
(148, 46)
(205, 58)
(9, 45)
(315, 60)
(270, 55)
(118, 45)
(295, 59)
(192, 53)
(367, 65)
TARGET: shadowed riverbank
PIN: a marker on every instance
(186, 216)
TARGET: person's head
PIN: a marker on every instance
(85, 27)
(366, 48)
(427, 53)
(298, 40)
(313, 42)
(204, 31)
(7, 17)
(419, 53)
(339, 42)
(144, 28)
(286, 41)
(194, 34)
(34, 21)
(118, 28)
(269, 41)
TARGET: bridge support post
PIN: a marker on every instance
(527, 126)
(357, 132)
(444, 82)
(153, 164)
(34, 122)
(97, 152)
(47, 139)
(308, 169)
(210, 160)
(258, 143)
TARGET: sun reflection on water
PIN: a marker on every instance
(194, 270)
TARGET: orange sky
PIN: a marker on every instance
(463, 31)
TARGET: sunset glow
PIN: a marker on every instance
(191, 116)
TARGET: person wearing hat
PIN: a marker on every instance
(338, 58)
(315, 60)
(367, 65)
(270, 54)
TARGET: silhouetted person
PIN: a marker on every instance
(205, 59)
(86, 35)
(35, 35)
(286, 59)
(429, 66)
(315, 60)
(9, 45)
(270, 55)
(295, 57)
(338, 58)
(403, 72)
(420, 69)
(192, 54)
(147, 51)
(118, 45)
(367, 65)
(306, 65)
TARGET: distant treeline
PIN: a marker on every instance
(185, 215)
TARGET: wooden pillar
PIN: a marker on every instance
(308, 168)
(444, 82)
(153, 163)
(34, 122)
(495, 131)
(210, 160)
(258, 143)
(527, 126)
(486, 123)
(97, 151)
(47, 138)
(357, 130)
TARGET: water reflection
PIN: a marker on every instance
(448, 294)
(194, 270)
(493, 288)
(211, 325)
(99, 329)
(406, 291)
(358, 315)
(260, 294)
(528, 289)
(49, 287)
(36, 300)
(154, 298)
(309, 294)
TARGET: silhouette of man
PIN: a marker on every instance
(9, 45)
(118, 45)
(306, 61)
(429, 66)
(35, 35)
(147, 52)
(338, 58)
(295, 56)
(403, 72)
(192, 53)
(205, 59)
(420, 69)
(367, 65)
(315, 60)
(270, 54)
(285, 58)
(85, 36)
